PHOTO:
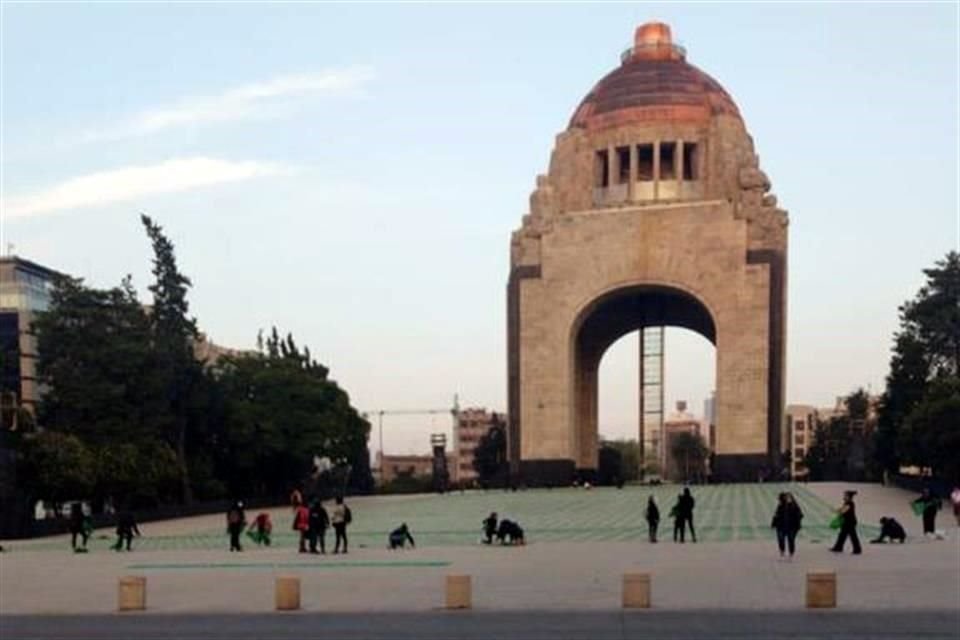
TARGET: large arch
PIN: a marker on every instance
(601, 323)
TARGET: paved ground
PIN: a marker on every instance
(528, 625)
(580, 545)
(723, 514)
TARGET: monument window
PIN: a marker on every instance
(691, 159)
(623, 165)
(601, 169)
(668, 167)
(645, 162)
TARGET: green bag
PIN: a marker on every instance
(918, 507)
(837, 521)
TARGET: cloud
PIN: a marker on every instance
(132, 183)
(239, 103)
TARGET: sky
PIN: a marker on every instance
(352, 173)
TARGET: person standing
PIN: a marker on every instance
(653, 518)
(319, 521)
(490, 528)
(955, 499)
(126, 529)
(340, 517)
(685, 506)
(848, 525)
(677, 519)
(786, 521)
(78, 527)
(236, 521)
(929, 504)
(301, 524)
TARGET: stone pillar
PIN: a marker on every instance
(287, 593)
(656, 169)
(636, 591)
(633, 172)
(459, 592)
(132, 593)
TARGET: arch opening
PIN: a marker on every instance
(601, 324)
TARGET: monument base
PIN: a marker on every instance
(547, 473)
(741, 467)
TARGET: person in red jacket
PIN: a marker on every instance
(301, 523)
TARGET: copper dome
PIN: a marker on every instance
(653, 83)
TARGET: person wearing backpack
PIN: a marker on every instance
(236, 521)
(340, 517)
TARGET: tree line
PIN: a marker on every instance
(916, 422)
(129, 414)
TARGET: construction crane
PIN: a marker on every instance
(453, 411)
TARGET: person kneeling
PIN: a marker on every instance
(890, 528)
(400, 536)
(510, 532)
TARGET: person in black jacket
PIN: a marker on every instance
(685, 504)
(78, 527)
(126, 529)
(490, 528)
(890, 528)
(930, 505)
(848, 525)
(236, 521)
(653, 518)
(400, 536)
(317, 523)
(787, 521)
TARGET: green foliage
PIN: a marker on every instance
(930, 436)
(280, 412)
(174, 334)
(838, 451)
(144, 422)
(926, 348)
(56, 466)
(690, 453)
(629, 465)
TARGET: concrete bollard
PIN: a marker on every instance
(459, 593)
(821, 590)
(636, 591)
(132, 593)
(287, 593)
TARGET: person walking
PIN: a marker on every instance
(786, 522)
(301, 524)
(848, 525)
(340, 517)
(79, 526)
(236, 521)
(653, 518)
(685, 506)
(261, 529)
(677, 519)
(319, 521)
(126, 529)
(928, 505)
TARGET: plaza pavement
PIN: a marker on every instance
(581, 542)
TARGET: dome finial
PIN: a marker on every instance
(653, 41)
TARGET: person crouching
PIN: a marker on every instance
(399, 537)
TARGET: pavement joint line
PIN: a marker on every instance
(287, 565)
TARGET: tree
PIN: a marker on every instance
(95, 357)
(56, 467)
(609, 465)
(490, 456)
(926, 349)
(690, 452)
(174, 334)
(280, 412)
(629, 450)
(930, 435)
